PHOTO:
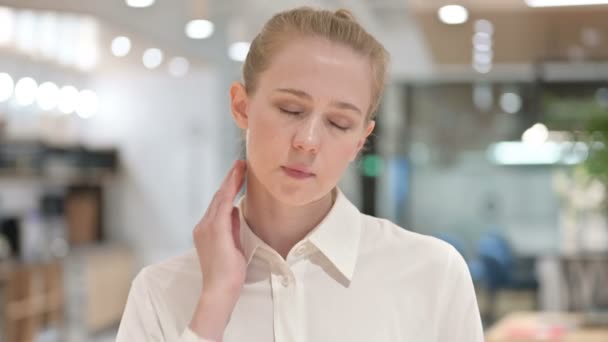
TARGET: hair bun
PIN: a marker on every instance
(345, 14)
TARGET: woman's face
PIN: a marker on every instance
(306, 120)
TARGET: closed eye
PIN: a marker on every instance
(338, 126)
(289, 112)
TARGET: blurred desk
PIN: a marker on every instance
(537, 326)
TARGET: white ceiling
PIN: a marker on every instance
(163, 23)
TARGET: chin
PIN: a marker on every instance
(296, 194)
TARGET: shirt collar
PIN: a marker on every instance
(337, 237)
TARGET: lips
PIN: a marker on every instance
(297, 172)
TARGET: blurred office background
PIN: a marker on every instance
(115, 132)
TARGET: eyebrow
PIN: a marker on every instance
(303, 94)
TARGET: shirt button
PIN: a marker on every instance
(301, 250)
(285, 281)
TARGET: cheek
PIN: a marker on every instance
(338, 157)
(264, 135)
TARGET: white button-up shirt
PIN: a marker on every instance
(353, 278)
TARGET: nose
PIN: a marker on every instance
(308, 135)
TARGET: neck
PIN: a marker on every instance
(280, 225)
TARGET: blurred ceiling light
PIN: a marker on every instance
(559, 3)
(47, 41)
(510, 102)
(178, 66)
(68, 28)
(484, 26)
(7, 25)
(25, 34)
(121, 46)
(453, 14)
(7, 86)
(68, 99)
(25, 91)
(482, 41)
(238, 51)
(518, 153)
(139, 3)
(480, 57)
(537, 134)
(601, 96)
(88, 104)
(482, 68)
(87, 43)
(152, 58)
(47, 95)
(199, 29)
(87, 57)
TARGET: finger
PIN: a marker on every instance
(233, 184)
(227, 203)
(236, 228)
(219, 194)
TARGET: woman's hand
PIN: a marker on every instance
(223, 265)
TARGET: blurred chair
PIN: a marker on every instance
(502, 270)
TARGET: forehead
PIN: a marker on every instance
(321, 68)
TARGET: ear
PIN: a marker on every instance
(361, 142)
(238, 104)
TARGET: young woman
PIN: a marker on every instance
(294, 260)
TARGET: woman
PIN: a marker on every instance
(294, 260)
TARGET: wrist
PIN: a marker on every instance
(211, 316)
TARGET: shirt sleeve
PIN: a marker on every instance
(459, 319)
(140, 321)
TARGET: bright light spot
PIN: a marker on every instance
(199, 29)
(7, 25)
(68, 40)
(482, 41)
(537, 134)
(484, 26)
(510, 102)
(68, 99)
(7, 86)
(453, 14)
(88, 104)
(482, 68)
(87, 44)
(482, 57)
(25, 91)
(178, 66)
(87, 58)
(518, 153)
(139, 3)
(152, 58)
(47, 41)
(26, 31)
(558, 3)
(121, 46)
(47, 95)
(238, 51)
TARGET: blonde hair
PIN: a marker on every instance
(339, 26)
